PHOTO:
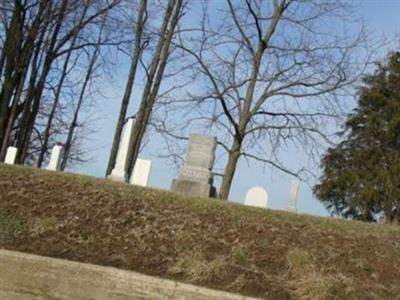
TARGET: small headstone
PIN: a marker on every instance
(141, 172)
(195, 177)
(55, 158)
(256, 196)
(120, 171)
(11, 155)
(293, 194)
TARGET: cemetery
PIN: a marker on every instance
(246, 250)
(195, 178)
(184, 235)
(200, 150)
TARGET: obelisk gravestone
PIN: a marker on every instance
(120, 172)
(293, 194)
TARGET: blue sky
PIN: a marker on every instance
(381, 18)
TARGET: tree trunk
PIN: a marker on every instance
(230, 168)
(154, 79)
(36, 91)
(73, 125)
(21, 70)
(10, 34)
(129, 85)
(391, 216)
(11, 117)
(11, 49)
(28, 121)
(27, 104)
(46, 134)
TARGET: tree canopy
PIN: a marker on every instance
(361, 174)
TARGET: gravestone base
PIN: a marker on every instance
(119, 173)
(193, 188)
(117, 176)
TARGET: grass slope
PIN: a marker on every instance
(265, 253)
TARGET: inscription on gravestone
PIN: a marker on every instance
(195, 177)
(201, 152)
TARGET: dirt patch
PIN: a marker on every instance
(270, 254)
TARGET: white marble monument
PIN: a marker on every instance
(120, 171)
(55, 158)
(256, 196)
(11, 155)
(141, 172)
(293, 194)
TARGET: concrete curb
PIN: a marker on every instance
(31, 277)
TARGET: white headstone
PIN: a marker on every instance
(256, 196)
(293, 194)
(10, 155)
(119, 173)
(141, 172)
(55, 158)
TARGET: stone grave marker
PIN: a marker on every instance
(195, 177)
(11, 155)
(119, 173)
(293, 194)
(55, 158)
(141, 172)
(256, 196)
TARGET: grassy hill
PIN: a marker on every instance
(257, 252)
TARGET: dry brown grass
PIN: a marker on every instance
(258, 252)
(10, 227)
(309, 281)
(197, 269)
(42, 225)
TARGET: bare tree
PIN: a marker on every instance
(37, 36)
(270, 73)
(137, 49)
(93, 58)
(63, 75)
(35, 90)
(56, 43)
(154, 77)
(20, 41)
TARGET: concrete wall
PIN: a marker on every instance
(31, 277)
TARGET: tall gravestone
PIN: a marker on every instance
(141, 172)
(11, 155)
(256, 196)
(293, 194)
(195, 177)
(55, 158)
(120, 170)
